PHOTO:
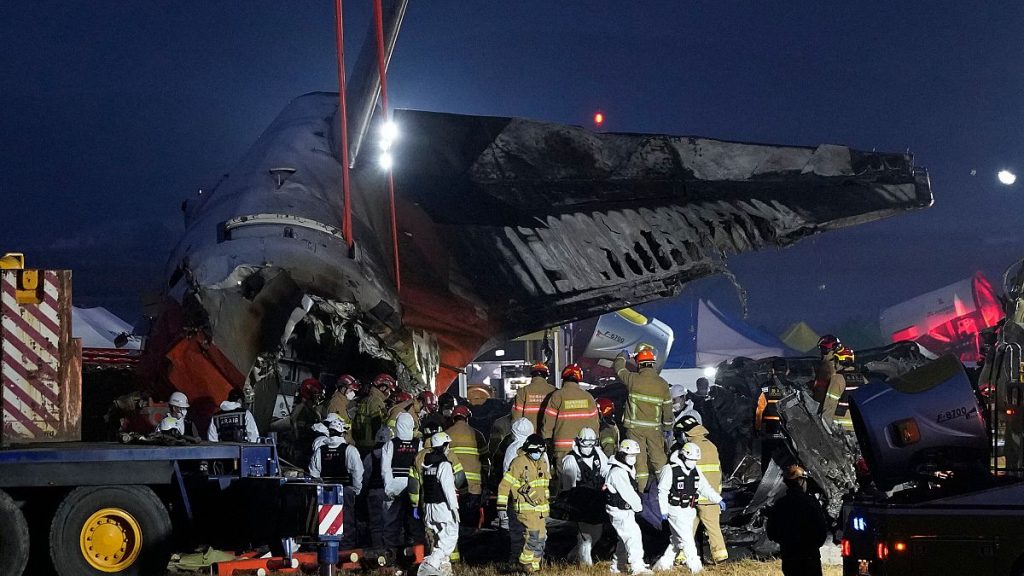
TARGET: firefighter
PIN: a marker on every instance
(373, 475)
(335, 461)
(466, 444)
(648, 417)
(569, 410)
(177, 408)
(397, 458)
(440, 506)
(622, 505)
(767, 423)
(582, 480)
(797, 523)
(710, 467)
(427, 401)
(402, 401)
(344, 393)
(530, 399)
(418, 468)
(233, 423)
(371, 412)
(852, 380)
(609, 432)
(680, 485)
(828, 385)
(524, 490)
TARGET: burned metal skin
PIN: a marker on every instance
(506, 226)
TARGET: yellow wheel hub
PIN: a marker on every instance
(111, 540)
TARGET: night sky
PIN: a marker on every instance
(112, 112)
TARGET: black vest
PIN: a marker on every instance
(376, 481)
(403, 457)
(333, 467)
(230, 425)
(589, 477)
(431, 491)
(616, 500)
(684, 487)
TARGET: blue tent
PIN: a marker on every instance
(706, 336)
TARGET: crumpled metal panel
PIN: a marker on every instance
(507, 226)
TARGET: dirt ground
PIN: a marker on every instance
(741, 568)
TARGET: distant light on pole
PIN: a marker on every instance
(1006, 177)
(598, 119)
(710, 372)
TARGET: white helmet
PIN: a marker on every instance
(178, 400)
(690, 451)
(629, 447)
(339, 426)
(586, 437)
(331, 417)
(440, 439)
(321, 429)
(169, 424)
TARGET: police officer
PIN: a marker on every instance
(569, 410)
(233, 423)
(397, 458)
(440, 506)
(582, 480)
(529, 402)
(524, 489)
(335, 461)
(797, 523)
(622, 506)
(680, 485)
(648, 416)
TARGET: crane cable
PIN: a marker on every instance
(346, 217)
(378, 15)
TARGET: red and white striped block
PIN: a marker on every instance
(330, 520)
(30, 356)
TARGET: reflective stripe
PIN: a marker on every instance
(511, 479)
(833, 396)
(629, 422)
(466, 450)
(475, 476)
(646, 398)
(575, 415)
(709, 467)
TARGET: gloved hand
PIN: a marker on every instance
(722, 505)
(416, 513)
(503, 519)
(625, 353)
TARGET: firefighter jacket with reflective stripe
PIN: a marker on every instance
(403, 455)
(230, 425)
(333, 464)
(609, 436)
(369, 416)
(432, 492)
(569, 410)
(466, 444)
(649, 404)
(766, 417)
(621, 486)
(530, 399)
(709, 464)
(852, 380)
(525, 486)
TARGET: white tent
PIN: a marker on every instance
(99, 328)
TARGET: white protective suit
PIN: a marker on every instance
(587, 533)
(521, 428)
(442, 523)
(680, 518)
(252, 433)
(396, 489)
(354, 464)
(630, 548)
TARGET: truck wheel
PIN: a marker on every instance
(111, 530)
(13, 537)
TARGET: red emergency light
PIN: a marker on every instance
(598, 118)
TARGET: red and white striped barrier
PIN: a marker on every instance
(330, 522)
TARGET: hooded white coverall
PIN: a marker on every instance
(621, 482)
(441, 519)
(396, 459)
(571, 475)
(353, 486)
(680, 518)
(252, 433)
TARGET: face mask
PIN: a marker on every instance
(689, 464)
(351, 394)
(178, 413)
(447, 413)
(631, 459)
(586, 449)
(423, 413)
(534, 455)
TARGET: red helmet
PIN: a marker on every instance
(573, 372)
(385, 383)
(461, 412)
(311, 389)
(429, 400)
(645, 355)
(539, 369)
(605, 406)
(828, 343)
(346, 381)
(400, 396)
(844, 355)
